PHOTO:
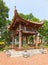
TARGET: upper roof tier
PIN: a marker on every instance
(17, 20)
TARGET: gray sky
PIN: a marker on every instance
(39, 8)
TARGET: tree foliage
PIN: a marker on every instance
(27, 16)
(4, 21)
(3, 13)
(6, 37)
(44, 30)
(34, 19)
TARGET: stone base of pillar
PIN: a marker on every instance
(13, 46)
(20, 46)
(36, 45)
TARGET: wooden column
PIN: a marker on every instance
(26, 40)
(25, 28)
(20, 37)
(36, 41)
(13, 42)
(20, 40)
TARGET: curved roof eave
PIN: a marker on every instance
(20, 19)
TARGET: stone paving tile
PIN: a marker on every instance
(38, 59)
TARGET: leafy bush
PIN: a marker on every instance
(2, 44)
(1, 49)
(16, 45)
(6, 47)
(25, 46)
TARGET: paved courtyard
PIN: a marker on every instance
(37, 59)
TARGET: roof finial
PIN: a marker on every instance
(15, 7)
(15, 11)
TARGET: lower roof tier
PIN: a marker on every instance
(25, 33)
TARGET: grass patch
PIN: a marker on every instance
(1, 49)
(25, 46)
(46, 46)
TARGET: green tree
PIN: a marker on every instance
(34, 19)
(44, 30)
(6, 37)
(4, 21)
(27, 16)
(31, 39)
(3, 13)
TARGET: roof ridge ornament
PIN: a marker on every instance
(15, 7)
(15, 11)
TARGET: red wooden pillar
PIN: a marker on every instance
(20, 36)
(13, 42)
(26, 40)
(20, 40)
(36, 41)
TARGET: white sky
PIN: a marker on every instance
(39, 8)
